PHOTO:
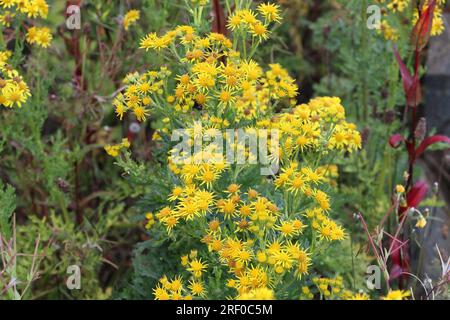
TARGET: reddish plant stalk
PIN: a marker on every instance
(411, 83)
(73, 47)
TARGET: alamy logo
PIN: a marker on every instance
(74, 280)
(373, 280)
(232, 146)
(374, 19)
(73, 21)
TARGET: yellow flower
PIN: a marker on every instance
(421, 222)
(288, 229)
(252, 194)
(125, 143)
(270, 12)
(113, 150)
(389, 32)
(120, 110)
(141, 113)
(7, 3)
(150, 220)
(398, 5)
(177, 284)
(32, 34)
(227, 207)
(400, 189)
(360, 296)
(231, 283)
(160, 293)
(197, 288)
(297, 184)
(226, 97)
(35, 8)
(44, 37)
(6, 18)
(170, 222)
(184, 260)
(261, 256)
(152, 41)
(130, 18)
(176, 193)
(258, 294)
(233, 188)
(248, 16)
(260, 31)
(397, 295)
(196, 267)
(39, 36)
(13, 95)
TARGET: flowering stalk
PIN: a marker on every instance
(411, 83)
(420, 37)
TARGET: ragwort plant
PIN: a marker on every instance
(238, 234)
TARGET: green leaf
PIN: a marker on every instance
(7, 207)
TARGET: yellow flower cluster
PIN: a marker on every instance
(259, 234)
(397, 11)
(258, 294)
(330, 289)
(32, 9)
(210, 85)
(130, 18)
(319, 126)
(255, 23)
(142, 91)
(150, 220)
(40, 36)
(6, 18)
(389, 33)
(113, 150)
(176, 289)
(251, 236)
(397, 5)
(304, 181)
(13, 90)
(239, 86)
(152, 41)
